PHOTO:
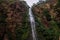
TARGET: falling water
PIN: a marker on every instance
(32, 21)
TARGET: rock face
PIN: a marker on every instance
(13, 20)
(47, 17)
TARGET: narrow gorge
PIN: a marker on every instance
(29, 19)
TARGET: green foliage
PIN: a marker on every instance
(22, 32)
(46, 13)
(58, 3)
(50, 33)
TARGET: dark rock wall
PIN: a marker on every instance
(14, 20)
(47, 20)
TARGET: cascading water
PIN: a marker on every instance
(32, 21)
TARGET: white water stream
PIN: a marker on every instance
(32, 21)
(31, 17)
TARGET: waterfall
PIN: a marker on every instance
(32, 22)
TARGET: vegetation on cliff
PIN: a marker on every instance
(14, 20)
(47, 17)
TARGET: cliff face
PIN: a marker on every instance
(47, 17)
(13, 20)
